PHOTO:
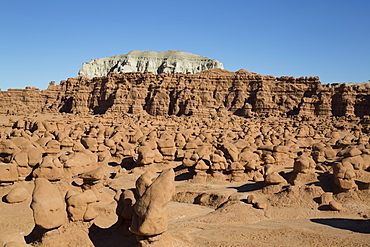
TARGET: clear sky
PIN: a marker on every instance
(43, 41)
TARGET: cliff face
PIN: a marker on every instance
(210, 93)
(149, 61)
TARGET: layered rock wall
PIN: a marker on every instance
(209, 93)
(149, 61)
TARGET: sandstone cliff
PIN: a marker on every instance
(149, 61)
(210, 93)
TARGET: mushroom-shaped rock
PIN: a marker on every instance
(150, 209)
(353, 157)
(49, 208)
(167, 148)
(90, 143)
(93, 175)
(190, 159)
(272, 177)
(52, 147)
(200, 171)
(304, 164)
(351, 152)
(78, 205)
(237, 171)
(103, 153)
(231, 152)
(344, 175)
(282, 155)
(218, 165)
(93, 178)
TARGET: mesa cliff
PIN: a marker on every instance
(149, 61)
(210, 93)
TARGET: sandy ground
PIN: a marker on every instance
(232, 223)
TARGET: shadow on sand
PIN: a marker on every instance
(186, 173)
(115, 236)
(35, 235)
(354, 225)
(249, 187)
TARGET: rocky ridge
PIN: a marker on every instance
(149, 61)
(210, 93)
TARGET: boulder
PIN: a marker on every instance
(17, 194)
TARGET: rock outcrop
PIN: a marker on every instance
(211, 93)
(149, 61)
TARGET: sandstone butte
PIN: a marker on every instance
(149, 61)
(207, 157)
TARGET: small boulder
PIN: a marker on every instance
(336, 206)
(16, 195)
(251, 199)
(326, 198)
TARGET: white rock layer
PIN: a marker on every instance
(149, 61)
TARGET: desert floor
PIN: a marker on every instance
(290, 218)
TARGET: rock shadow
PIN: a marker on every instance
(354, 225)
(183, 174)
(326, 182)
(325, 208)
(115, 236)
(3, 199)
(129, 163)
(362, 185)
(249, 187)
(35, 235)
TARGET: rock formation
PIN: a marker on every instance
(48, 206)
(276, 143)
(80, 205)
(210, 93)
(16, 195)
(149, 61)
(149, 221)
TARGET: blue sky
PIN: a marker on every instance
(43, 41)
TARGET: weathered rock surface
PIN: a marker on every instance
(17, 194)
(48, 205)
(213, 128)
(149, 61)
(150, 218)
(211, 93)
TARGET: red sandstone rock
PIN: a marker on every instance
(187, 94)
